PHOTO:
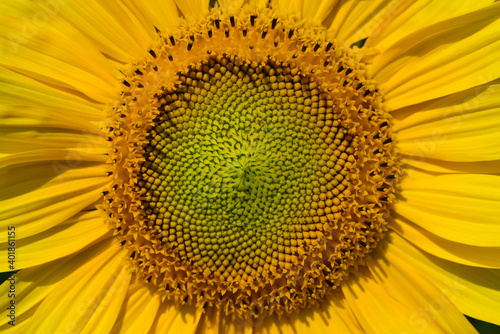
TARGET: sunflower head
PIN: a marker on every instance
(252, 163)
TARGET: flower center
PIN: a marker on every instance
(252, 165)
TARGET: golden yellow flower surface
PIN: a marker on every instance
(249, 166)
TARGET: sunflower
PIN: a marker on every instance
(249, 166)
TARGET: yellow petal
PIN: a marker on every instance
(173, 318)
(458, 105)
(293, 7)
(105, 25)
(356, 20)
(333, 316)
(57, 242)
(19, 118)
(461, 207)
(60, 198)
(474, 290)
(19, 139)
(477, 256)
(454, 131)
(56, 55)
(46, 104)
(253, 3)
(382, 310)
(441, 59)
(236, 327)
(89, 299)
(314, 12)
(22, 309)
(273, 325)
(318, 11)
(230, 5)
(138, 310)
(110, 300)
(440, 166)
(389, 297)
(211, 322)
(21, 323)
(397, 24)
(60, 157)
(193, 8)
(17, 180)
(163, 14)
(34, 284)
(426, 298)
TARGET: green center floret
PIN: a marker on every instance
(231, 172)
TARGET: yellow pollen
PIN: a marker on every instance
(252, 164)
